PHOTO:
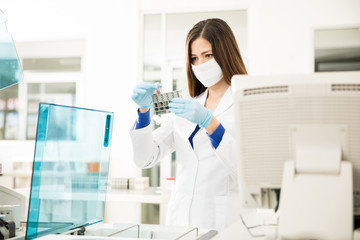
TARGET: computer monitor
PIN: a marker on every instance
(267, 107)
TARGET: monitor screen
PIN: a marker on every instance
(70, 169)
(266, 107)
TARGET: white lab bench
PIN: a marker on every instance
(255, 224)
(125, 232)
(131, 231)
(254, 229)
(118, 200)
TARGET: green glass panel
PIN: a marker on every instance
(10, 68)
(70, 169)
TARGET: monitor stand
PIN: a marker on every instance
(316, 199)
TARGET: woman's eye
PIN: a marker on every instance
(209, 55)
(193, 59)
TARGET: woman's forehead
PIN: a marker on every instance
(200, 45)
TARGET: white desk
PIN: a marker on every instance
(239, 231)
(259, 222)
(130, 231)
(235, 231)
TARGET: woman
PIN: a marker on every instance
(202, 132)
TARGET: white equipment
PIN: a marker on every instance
(301, 133)
(11, 213)
(10, 198)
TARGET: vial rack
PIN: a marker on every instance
(161, 101)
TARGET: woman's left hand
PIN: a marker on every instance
(191, 110)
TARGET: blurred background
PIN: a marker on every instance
(91, 53)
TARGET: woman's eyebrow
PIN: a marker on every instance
(207, 51)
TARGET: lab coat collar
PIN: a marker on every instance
(202, 97)
(225, 102)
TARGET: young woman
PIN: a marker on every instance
(206, 193)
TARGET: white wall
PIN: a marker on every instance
(280, 32)
(111, 74)
(110, 30)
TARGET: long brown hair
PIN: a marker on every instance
(224, 48)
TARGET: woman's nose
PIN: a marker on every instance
(202, 60)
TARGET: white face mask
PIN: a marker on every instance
(208, 73)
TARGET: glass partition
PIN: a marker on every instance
(70, 169)
(10, 68)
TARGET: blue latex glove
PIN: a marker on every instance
(142, 94)
(191, 110)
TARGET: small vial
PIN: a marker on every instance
(158, 90)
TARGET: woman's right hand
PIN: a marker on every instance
(142, 94)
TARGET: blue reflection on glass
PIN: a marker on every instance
(10, 68)
(70, 169)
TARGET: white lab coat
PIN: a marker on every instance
(206, 190)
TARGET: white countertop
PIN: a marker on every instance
(150, 195)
